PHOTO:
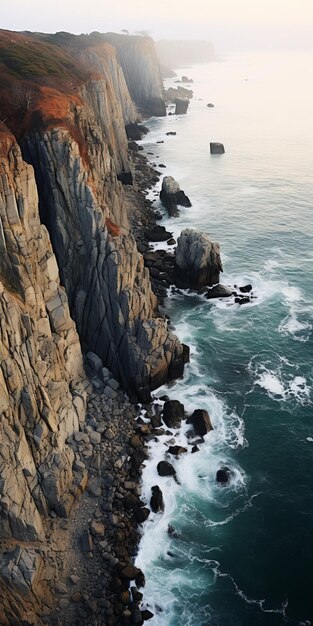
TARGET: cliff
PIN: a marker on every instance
(138, 59)
(71, 281)
(42, 383)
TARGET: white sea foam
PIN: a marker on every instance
(282, 386)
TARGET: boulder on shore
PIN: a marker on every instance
(217, 148)
(173, 413)
(135, 131)
(156, 501)
(201, 422)
(177, 450)
(171, 195)
(181, 106)
(157, 233)
(197, 261)
(165, 469)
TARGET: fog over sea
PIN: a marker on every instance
(244, 554)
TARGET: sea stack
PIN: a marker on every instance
(171, 196)
(182, 105)
(198, 262)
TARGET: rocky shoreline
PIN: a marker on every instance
(92, 549)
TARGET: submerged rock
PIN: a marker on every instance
(223, 475)
(172, 532)
(198, 261)
(217, 148)
(201, 422)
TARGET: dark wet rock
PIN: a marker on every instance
(140, 579)
(194, 449)
(135, 132)
(185, 79)
(242, 299)
(130, 572)
(171, 195)
(156, 501)
(198, 260)
(136, 595)
(171, 242)
(161, 141)
(162, 165)
(171, 132)
(165, 469)
(142, 515)
(157, 233)
(201, 422)
(186, 353)
(176, 450)
(210, 105)
(132, 145)
(181, 106)
(223, 475)
(217, 148)
(173, 413)
(146, 615)
(245, 289)
(219, 291)
(137, 619)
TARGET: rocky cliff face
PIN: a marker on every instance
(107, 285)
(138, 59)
(42, 387)
(71, 278)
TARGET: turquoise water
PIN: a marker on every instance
(244, 554)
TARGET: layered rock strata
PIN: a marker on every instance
(42, 384)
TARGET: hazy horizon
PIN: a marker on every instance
(229, 25)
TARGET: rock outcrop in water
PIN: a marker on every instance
(197, 262)
(171, 195)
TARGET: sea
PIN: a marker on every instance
(241, 554)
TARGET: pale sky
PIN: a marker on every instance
(230, 24)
